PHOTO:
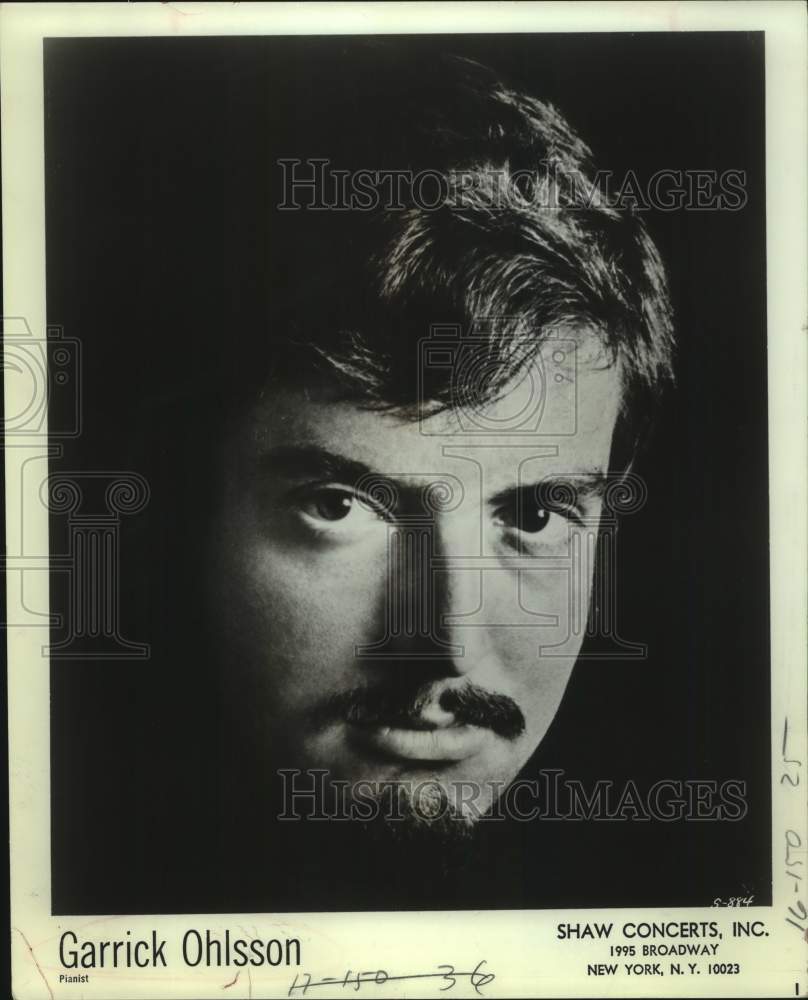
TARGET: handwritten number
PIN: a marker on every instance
(795, 780)
(480, 979)
(379, 977)
(302, 987)
(449, 977)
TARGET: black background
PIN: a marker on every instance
(155, 154)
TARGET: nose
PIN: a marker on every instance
(433, 589)
(458, 585)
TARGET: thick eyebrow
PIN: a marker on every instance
(583, 485)
(305, 461)
(310, 461)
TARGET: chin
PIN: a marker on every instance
(425, 811)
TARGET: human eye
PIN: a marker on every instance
(528, 520)
(336, 511)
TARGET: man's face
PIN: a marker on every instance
(397, 598)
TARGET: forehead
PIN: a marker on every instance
(557, 417)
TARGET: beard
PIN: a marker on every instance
(418, 835)
(411, 830)
(419, 813)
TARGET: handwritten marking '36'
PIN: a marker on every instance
(378, 977)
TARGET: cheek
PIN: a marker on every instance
(303, 613)
(554, 598)
(550, 607)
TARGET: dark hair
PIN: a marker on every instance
(520, 243)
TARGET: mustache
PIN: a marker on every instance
(395, 704)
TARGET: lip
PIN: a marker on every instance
(447, 743)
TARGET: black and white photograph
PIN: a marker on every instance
(408, 479)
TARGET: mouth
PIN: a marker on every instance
(419, 742)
